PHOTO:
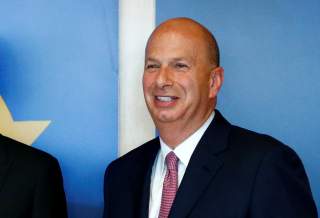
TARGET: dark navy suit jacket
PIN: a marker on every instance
(30, 183)
(233, 173)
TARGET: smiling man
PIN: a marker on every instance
(200, 165)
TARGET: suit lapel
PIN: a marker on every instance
(5, 161)
(203, 166)
(145, 166)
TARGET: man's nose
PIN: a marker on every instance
(164, 78)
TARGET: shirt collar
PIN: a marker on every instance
(185, 149)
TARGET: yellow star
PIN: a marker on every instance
(23, 131)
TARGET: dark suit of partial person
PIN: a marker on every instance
(233, 173)
(30, 183)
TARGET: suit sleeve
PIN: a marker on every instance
(49, 198)
(282, 189)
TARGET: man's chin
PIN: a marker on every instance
(165, 117)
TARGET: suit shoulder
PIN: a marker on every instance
(134, 161)
(253, 140)
(255, 145)
(26, 154)
(137, 154)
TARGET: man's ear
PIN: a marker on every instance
(216, 81)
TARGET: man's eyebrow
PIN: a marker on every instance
(180, 59)
(188, 60)
(151, 59)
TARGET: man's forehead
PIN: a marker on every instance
(171, 35)
(172, 47)
(175, 33)
(182, 37)
(174, 42)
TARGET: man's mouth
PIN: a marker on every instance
(166, 98)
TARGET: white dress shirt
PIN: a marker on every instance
(183, 151)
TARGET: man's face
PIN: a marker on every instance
(177, 79)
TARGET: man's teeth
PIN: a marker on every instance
(164, 98)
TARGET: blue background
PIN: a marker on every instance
(59, 62)
(270, 50)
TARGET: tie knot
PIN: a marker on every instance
(171, 161)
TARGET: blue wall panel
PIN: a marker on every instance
(270, 53)
(58, 62)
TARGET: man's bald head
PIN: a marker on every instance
(194, 30)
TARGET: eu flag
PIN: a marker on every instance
(58, 62)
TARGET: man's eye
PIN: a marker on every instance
(180, 65)
(152, 66)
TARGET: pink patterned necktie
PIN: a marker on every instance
(170, 185)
